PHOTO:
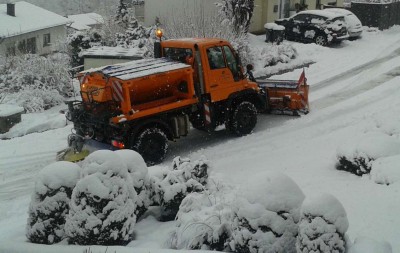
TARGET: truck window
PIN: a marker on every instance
(215, 58)
(232, 63)
(178, 54)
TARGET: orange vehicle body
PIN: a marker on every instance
(199, 82)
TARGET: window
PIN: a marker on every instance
(31, 45)
(22, 46)
(46, 39)
(215, 58)
(231, 62)
(11, 50)
(178, 54)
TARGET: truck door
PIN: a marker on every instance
(224, 72)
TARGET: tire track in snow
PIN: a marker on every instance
(354, 71)
(342, 95)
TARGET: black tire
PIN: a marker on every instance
(152, 144)
(243, 119)
(321, 40)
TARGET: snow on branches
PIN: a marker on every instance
(103, 202)
(237, 13)
(50, 202)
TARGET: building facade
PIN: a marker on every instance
(265, 11)
(26, 28)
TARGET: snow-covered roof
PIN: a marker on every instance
(139, 68)
(84, 21)
(114, 52)
(322, 13)
(28, 18)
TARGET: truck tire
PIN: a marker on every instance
(243, 119)
(152, 144)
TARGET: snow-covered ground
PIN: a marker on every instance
(354, 90)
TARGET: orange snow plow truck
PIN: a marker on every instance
(143, 104)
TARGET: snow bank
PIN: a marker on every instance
(322, 226)
(50, 202)
(103, 202)
(367, 245)
(356, 156)
(386, 170)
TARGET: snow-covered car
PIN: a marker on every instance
(317, 26)
(354, 26)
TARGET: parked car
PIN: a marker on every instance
(354, 26)
(317, 26)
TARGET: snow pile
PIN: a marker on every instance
(103, 202)
(267, 214)
(140, 178)
(50, 202)
(170, 186)
(204, 221)
(386, 170)
(367, 245)
(357, 156)
(8, 110)
(322, 226)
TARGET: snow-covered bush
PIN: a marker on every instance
(35, 82)
(204, 221)
(237, 13)
(78, 41)
(357, 157)
(266, 216)
(140, 178)
(171, 186)
(103, 202)
(386, 170)
(322, 226)
(50, 202)
(270, 55)
(367, 245)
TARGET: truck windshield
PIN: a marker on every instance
(184, 55)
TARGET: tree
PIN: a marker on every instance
(122, 16)
(237, 13)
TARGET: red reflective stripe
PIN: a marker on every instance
(207, 113)
(117, 94)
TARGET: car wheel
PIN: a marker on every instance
(320, 40)
(152, 144)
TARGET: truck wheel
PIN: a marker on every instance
(243, 119)
(152, 144)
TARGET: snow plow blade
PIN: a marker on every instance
(70, 155)
(287, 96)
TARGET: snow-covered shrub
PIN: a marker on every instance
(267, 215)
(103, 202)
(237, 13)
(204, 221)
(78, 41)
(140, 178)
(367, 245)
(357, 157)
(171, 186)
(386, 170)
(35, 82)
(270, 55)
(322, 226)
(50, 202)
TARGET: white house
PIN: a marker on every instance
(264, 11)
(86, 21)
(26, 28)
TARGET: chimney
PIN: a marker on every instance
(11, 9)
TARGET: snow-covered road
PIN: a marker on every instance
(354, 89)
